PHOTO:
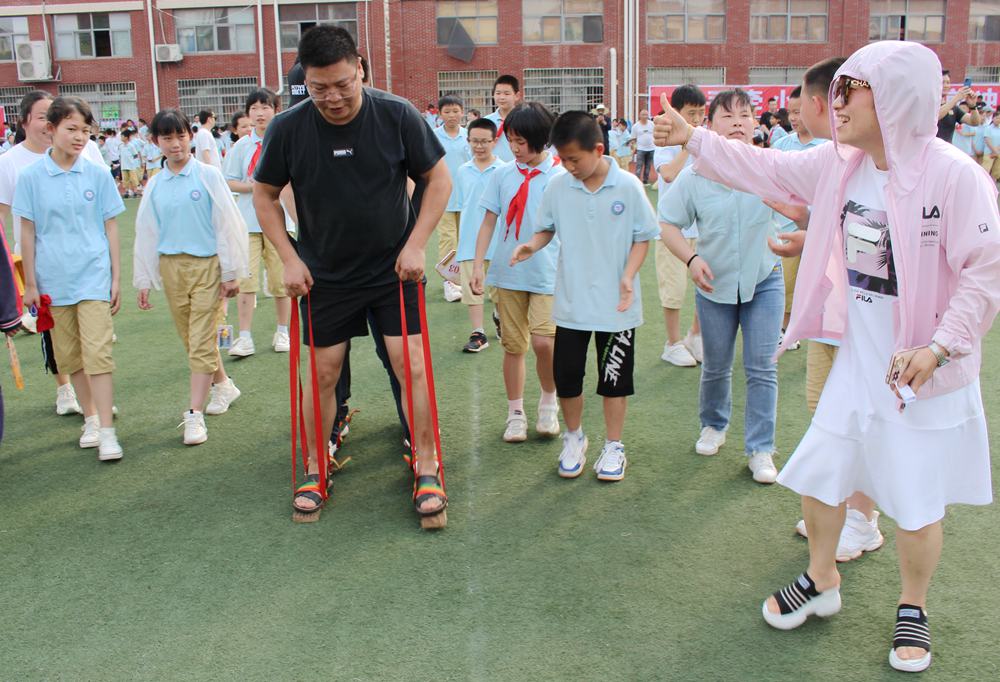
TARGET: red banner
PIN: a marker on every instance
(759, 94)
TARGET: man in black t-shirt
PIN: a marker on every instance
(348, 153)
(950, 114)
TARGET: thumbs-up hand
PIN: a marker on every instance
(669, 128)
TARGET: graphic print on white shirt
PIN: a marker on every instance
(870, 265)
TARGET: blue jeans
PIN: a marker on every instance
(644, 164)
(760, 320)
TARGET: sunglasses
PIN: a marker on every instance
(842, 88)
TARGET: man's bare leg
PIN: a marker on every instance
(329, 361)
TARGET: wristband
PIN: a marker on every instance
(690, 260)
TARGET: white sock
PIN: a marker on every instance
(547, 399)
(478, 330)
(578, 434)
(107, 431)
(92, 418)
(515, 406)
(245, 335)
(613, 442)
(282, 329)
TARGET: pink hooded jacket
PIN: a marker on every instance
(942, 209)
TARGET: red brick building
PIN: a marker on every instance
(127, 57)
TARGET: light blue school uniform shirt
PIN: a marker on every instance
(456, 152)
(733, 228)
(470, 183)
(792, 143)
(183, 209)
(502, 150)
(978, 143)
(131, 155)
(596, 232)
(991, 133)
(152, 154)
(537, 274)
(234, 167)
(621, 142)
(72, 260)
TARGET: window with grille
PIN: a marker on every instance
(112, 103)
(224, 96)
(565, 89)
(711, 75)
(686, 21)
(919, 20)
(788, 21)
(777, 75)
(563, 21)
(474, 87)
(13, 31)
(478, 18)
(220, 29)
(984, 21)
(101, 34)
(297, 19)
(983, 74)
(10, 102)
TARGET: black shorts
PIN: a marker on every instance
(615, 362)
(116, 170)
(339, 315)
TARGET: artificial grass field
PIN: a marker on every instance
(183, 563)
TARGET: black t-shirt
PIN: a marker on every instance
(296, 84)
(946, 125)
(349, 183)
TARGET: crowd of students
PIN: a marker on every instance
(542, 215)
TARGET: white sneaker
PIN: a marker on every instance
(611, 464)
(221, 396)
(452, 292)
(91, 432)
(859, 535)
(762, 466)
(109, 449)
(517, 428)
(710, 441)
(66, 402)
(280, 343)
(573, 456)
(548, 420)
(242, 347)
(694, 345)
(195, 432)
(679, 356)
(793, 346)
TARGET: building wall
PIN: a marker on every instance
(416, 59)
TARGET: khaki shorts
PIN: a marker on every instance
(261, 247)
(992, 166)
(191, 285)
(447, 232)
(465, 278)
(622, 161)
(671, 275)
(791, 269)
(81, 337)
(152, 170)
(523, 314)
(132, 178)
(819, 362)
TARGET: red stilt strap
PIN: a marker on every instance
(294, 388)
(321, 456)
(407, 376)
(298, 417)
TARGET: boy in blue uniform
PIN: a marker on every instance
(191, 240)
(524, 295)
(605, 224)
(153, 157)
(506, 93)
(261, 106)
(131, 160)
(70, 251)
(470, 183)
(454, 138)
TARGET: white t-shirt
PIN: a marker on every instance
(204, 141)
(642, 133)
(663, 156)
(12, 164)
(114, 145)
(92, 152)
(856, 392)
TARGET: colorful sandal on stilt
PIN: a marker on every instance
(311, 491)
(912, 630)
(429, 487)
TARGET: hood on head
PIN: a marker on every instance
(905, 78)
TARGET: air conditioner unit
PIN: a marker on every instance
(169, 53)
(33, 63)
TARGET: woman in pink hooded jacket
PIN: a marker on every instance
(901, 261)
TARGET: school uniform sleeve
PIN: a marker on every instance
(231, 236)
(645, 226)
(676, 206)
(7, 181)
(767, 173)
(422, 147)
(145, 257)
(231, 164)
(972, 249)
(456, 191)
(491, 195)
(545, 217)
(272, 166)
(25, 193)
(111, 202)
